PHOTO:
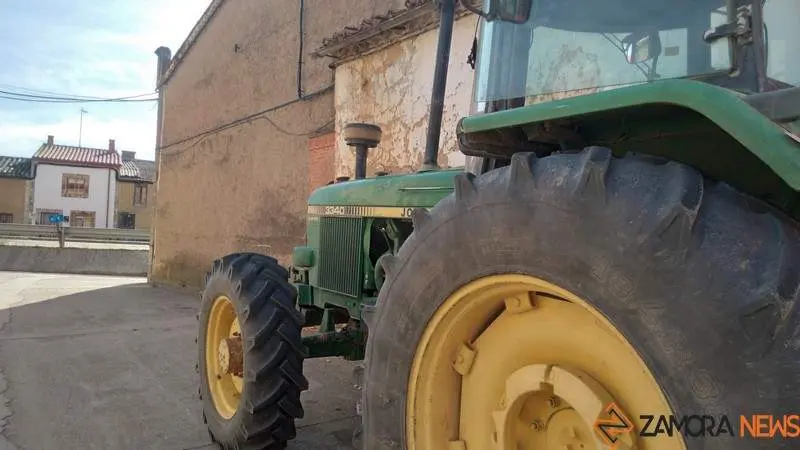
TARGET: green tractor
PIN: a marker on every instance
(620, 252)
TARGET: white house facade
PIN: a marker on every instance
(84, 194)
(76, 182)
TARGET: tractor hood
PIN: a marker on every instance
(423, 189)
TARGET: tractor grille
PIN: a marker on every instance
(340, 254)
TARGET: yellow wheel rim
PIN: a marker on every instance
(223, 357)
(514, 362)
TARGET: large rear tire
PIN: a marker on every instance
(639, 283)
(250, 356)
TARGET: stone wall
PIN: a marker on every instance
(392, 88)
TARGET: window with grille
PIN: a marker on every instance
(140, 194)
(75, 185)
(6, 218)
(126, 220)
(83, 219)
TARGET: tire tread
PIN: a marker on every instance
(266, 302)
(654, 212)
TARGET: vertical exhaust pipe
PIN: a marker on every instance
(447, 10)
(362, 136)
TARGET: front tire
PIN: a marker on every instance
(250, 356)
(697, 280)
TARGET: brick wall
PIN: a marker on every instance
(245, 181)
(321, 152)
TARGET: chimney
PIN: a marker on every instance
(112, 147)
(50, 139)
(128, 156)
(164, 58)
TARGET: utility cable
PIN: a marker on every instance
(294, 133)
(202, 139)
(301, 38)
(35, 100)
(11, 95)
(247, 119)
(11, 87)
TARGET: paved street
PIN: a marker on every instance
(107, 363)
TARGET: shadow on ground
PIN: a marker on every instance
(114, 368)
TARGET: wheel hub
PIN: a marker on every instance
(550, 407)
(224, 360)
(532, 367)
(567, 430)
(229, 356)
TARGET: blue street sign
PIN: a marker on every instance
(56, 218)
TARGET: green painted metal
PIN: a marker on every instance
(423, 189)
(305, 296)
(369, 276)
(766, 140)
(340, 249)
(335, 262)
(303, 256)
(309, 292)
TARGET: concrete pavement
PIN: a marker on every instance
(89, 362)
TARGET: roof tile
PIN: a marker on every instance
(138, 170)
(363, 28)
(83, 156)
(15, 167)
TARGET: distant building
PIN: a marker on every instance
(77, 182)
(16, 189)
(135, 192)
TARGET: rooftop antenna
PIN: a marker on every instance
(80, 128)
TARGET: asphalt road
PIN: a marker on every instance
(107, 363)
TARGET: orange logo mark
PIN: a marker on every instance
(610, 429)
(763, 426)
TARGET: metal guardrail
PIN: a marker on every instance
(73, 234)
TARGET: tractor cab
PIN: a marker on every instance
(545, 50)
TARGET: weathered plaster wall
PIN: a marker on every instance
(244, 188)
(124, 203)
(13, 198)
(392, 88)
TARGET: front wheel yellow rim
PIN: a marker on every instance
(223, 357)
(514, 362)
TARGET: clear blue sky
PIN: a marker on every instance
(90, 48)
